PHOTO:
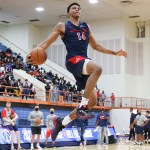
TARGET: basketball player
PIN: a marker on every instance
(10, 124)
(76, 35)
(35, 128)
(139, 130)
(50, 123)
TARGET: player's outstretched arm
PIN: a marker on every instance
(58, 30)
(100, 48)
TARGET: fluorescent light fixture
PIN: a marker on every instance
(93, 1)
(39, 9)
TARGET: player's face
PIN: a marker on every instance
(75, 11)
(8, 105)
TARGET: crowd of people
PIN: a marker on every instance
(139, 127)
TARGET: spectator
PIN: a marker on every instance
(50, 123)
(47, 88)
(101, 124)
(103, 97)
(35, 128)
(98, 97)
(147, 127)
(32, 91)
(54, 96)
(81, 126)
(10, 124)
(0, 120)
(26, 90)
(112, 99)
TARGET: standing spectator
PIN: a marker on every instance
(98, 97)
(147, 127)
(54, 96)
(32, 91)
(47, 88)
(103, 97)
(50, 123)
(101, 123)
(141, 122)
(132, 132)
(26, 90)
(81, 126)
(35, 128)
(0, 120)
(112, 99)
(10, 124)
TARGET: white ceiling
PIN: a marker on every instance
(21, 11)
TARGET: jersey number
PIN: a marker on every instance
(81, 36)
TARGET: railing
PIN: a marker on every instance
(57, 97)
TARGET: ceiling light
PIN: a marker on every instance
(39, 9)
(136, 16)
(93, 1)
(126, 2)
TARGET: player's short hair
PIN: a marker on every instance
(68, 8)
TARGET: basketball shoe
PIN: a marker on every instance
(57, 129)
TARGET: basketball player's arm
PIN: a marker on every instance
(30, 117)
(42, 118)
(145, 122)
(58, 30)
(101, 49)
(97, 122)
(47, 122)
(16, 117)
(5, 118)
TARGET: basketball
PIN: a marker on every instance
(39, 55)
(38, 121)
(12, 117)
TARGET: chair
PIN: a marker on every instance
(126, 134)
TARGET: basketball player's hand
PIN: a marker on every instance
(121, 53)
(29, 60)
(13, 124)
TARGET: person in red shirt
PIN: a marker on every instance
(112, 99)
(10, 124)
(98, 97)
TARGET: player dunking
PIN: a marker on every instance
(76, 36)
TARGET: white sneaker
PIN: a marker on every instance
(32, 148)
(39, 147)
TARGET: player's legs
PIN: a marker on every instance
(38, 132)
(94, 71)
(33, 131)
(12, 135)
(89, 97)
(48, 133)
(91, 103)
(12, 138)
(106, 135)
(18, 139)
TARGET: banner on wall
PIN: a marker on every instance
(67, 134)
